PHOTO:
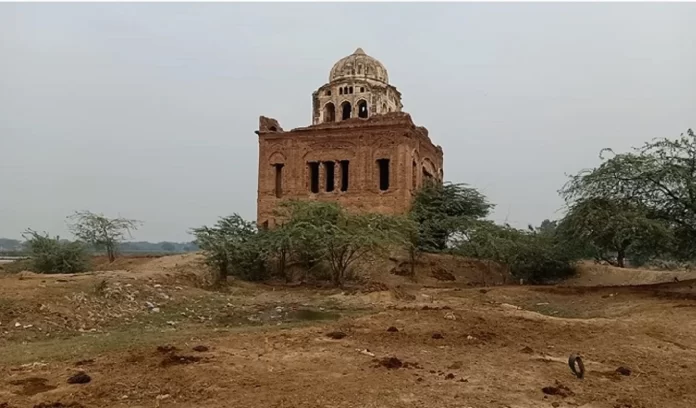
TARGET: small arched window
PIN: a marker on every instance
(362, 89)
(350, 90)
(340, 91)
(329, 112)
(328, 92)
(346, 110)
(362, 109)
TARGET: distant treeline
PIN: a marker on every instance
(14, 247)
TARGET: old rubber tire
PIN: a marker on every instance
(580, 370)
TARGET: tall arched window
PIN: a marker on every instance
(362, 109)
(347, 110)
(329, 112)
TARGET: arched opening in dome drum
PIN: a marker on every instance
(362, 109)
(347, 110)
(329, 112)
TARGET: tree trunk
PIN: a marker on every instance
(412, 254)
(222, 274)
(110, 253)
(281, 267)
(620, 257)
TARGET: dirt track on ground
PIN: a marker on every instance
(268, 346)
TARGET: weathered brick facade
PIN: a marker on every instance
(370, 157)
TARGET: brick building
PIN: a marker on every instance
(361, 150)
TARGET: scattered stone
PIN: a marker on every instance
(555, 404)
(469, 337)
(200, 349)
(456, 365)
(366, 352)
(392, 329)
(166, 349)
(450, 316)
(79, 378)
(391, 363)
(559, 389)
(174, 359)
(437, 336)
(449, 376)
(527, 350)
(84, 362)
(336, 335)
(484, 291)
(624, 371)
(463, 380)
(419, 379)
(155, 310)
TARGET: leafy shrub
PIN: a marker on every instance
(53, 255)
(233, 246)
(532, 255)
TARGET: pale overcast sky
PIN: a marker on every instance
(149, 110)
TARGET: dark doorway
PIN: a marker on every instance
(278, 180)
(330, 168)
(383, 165)
(329, 112)
(344, 175)
(347, 110)
(362, 109)
(314, 177)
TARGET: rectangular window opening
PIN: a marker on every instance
(314, 177)
(383, 165)
(344, 175)
(330, 168)
(278, 180)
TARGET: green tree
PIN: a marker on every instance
(615, 229)
(53, 255)
(341, 238)
(532, 255)
(102, 232)
(233, 246)
(443, 210)
(659, 176)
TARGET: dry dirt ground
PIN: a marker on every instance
(147, 336)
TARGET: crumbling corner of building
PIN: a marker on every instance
(269, 125)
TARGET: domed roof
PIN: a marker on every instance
(359, 65)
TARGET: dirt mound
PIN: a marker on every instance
(591, 274)
(32, 386)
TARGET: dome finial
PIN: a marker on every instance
(359, 51)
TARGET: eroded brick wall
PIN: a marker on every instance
(361, 142)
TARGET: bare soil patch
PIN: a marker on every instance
(267, 345)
